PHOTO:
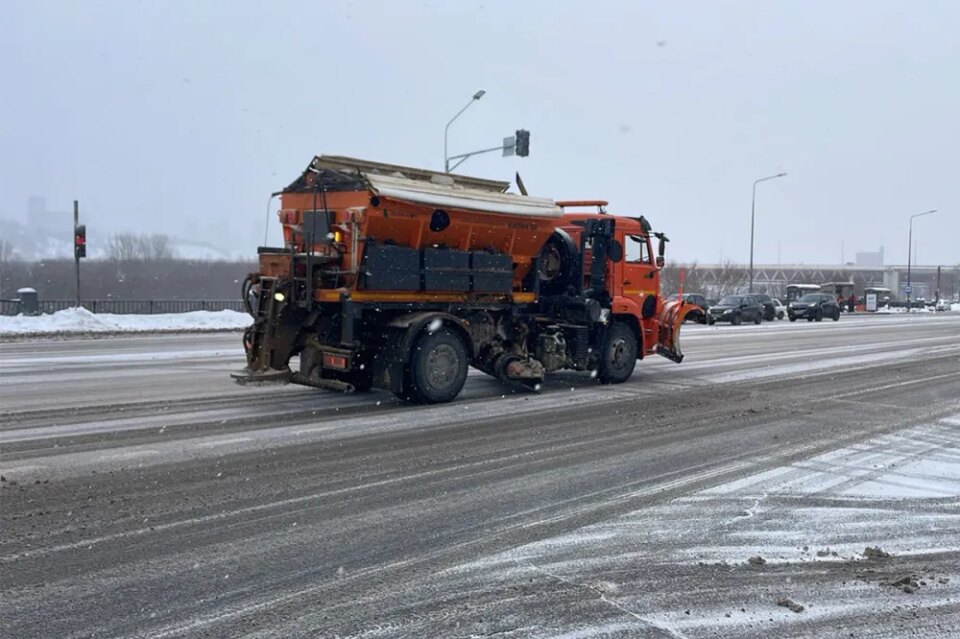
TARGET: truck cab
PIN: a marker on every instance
(631, 274)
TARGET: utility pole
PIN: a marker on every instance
(446, 130)
(910, 254)
(938, 286)
(753, 209)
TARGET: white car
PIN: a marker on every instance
(779, 310)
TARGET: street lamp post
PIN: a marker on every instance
(446, 158)
(910, 254)
(753, 208)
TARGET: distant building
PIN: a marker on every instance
(868, 258)
(36, 210)
(39, 217)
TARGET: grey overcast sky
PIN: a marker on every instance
(181, 116)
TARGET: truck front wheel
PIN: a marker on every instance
(618, 354)
(438, 368)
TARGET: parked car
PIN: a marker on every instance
(736, 309)
(701, 301)
(814, 306)
(781, 310)
(769, 308)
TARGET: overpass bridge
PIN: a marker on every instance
(773, 278)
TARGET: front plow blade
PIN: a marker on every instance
(672, 315)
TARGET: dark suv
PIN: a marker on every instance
(769, 308)
(701, 301)
(736, 309)
(814, 306)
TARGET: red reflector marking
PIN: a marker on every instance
(335, 361)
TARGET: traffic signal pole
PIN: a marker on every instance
(464, 156)
(76, 254)
(518, 144)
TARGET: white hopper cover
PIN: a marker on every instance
(458, 197)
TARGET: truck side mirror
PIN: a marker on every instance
(660, 261)
(661, 249)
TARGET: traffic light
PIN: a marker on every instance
(523, 143)
(80, 241)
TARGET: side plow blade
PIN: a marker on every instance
(262, 377)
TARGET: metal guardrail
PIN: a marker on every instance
(129, 307)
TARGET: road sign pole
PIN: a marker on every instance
(76, 256)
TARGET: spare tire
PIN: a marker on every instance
(557, 263)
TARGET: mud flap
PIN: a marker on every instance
(672, 315)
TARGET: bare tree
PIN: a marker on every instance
(161, 248)
(6, 256)
(6, 251)
(729, 279)
(122, 247)
(130, 247)
(670, 278)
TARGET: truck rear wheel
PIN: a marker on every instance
(618, 354)
(438, 368)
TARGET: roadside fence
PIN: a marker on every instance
(127, 307)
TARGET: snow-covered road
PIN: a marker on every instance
(147, 495)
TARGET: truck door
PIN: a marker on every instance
(641, 287)
(638, 280)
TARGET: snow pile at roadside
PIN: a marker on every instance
(80, 320)
(955, 307)
(903, 309)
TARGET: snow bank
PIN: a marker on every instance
(955, 307)
(903, 309)
(80, 320)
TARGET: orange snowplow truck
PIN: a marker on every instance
(403, 278)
